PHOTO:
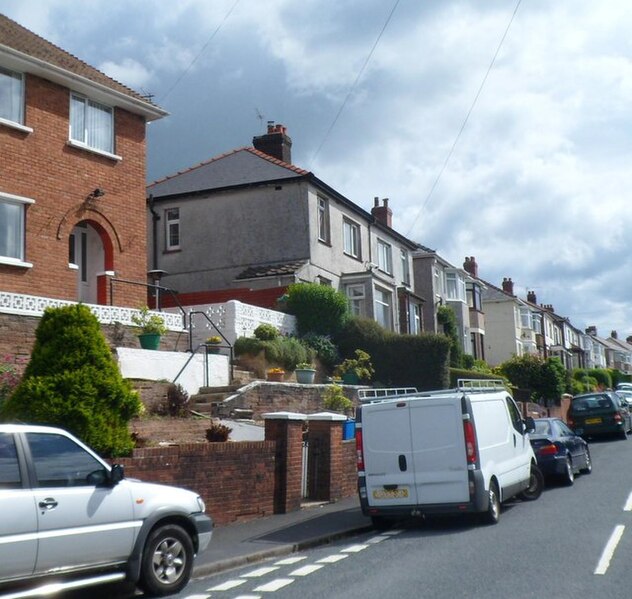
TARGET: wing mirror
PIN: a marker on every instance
(117, 474)
(529, 424)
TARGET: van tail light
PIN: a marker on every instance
(550, 449)
(617, 417)
(359, 450)
(471, 450)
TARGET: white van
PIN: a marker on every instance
(458, 450)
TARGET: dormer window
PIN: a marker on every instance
(91, 124)
(11, 96)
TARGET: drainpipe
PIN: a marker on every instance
(155, 217)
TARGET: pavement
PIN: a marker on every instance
(314, 524)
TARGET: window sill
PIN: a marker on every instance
(14, 125)
(324, 242)
(358, 258)
(172, 251)
(72, 266)
(80, 146)
(15, 262)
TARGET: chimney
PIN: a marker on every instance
(548, 307)
(382, 214)
(470, 266)
(613, 335)
(592, 331)
(532, 298)
(275, 143)
(508, 285)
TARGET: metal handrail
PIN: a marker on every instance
(228, 345)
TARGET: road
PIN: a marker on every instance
(572, 542)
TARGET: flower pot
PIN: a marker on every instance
(305, 376)
(350, 378)
(348, 430)
(212, 350)
(149, 340)
(275, 377)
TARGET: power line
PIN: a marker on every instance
(210, 39)
(355, 83)
(467, 117)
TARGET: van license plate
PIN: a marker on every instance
(390, 493)
(593, 421)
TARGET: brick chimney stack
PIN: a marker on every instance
(382, 214)
(613, 335)
(275, 143)
(470, 266)
(532, 298)
(592, 331)
(548, 307)
(508, 285)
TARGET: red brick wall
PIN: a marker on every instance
(41, 166)
(348, 471)
(236, 480)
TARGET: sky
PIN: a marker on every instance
(499, 129)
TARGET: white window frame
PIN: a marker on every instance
(172, 221)
(351, 238)
(405, 266)
(80, 136)
(415, 319)
(15, 119)
(324, 231)
(383, 308)
(526, 321)
(385, 256)
(356, 296)
(16, 228)
(454, 286)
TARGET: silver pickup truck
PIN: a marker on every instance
(67, 517)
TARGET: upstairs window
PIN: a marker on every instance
(11, 96)
(384, 257)
(12, 228)
(405, 267)
(172, 224)
(525, 318)
(351, 238)
(91, 124)
(323, 220)
(455, 286)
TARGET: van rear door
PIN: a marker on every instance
(439, 459)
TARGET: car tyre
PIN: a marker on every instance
(569, 476)
(587, 469)
(492, 515)
(167, 561)
(536, 485)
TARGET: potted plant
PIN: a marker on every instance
(212, 343)
(150, 327)
(354, 370)
(305, 373)
(276, 375)
(334, 399)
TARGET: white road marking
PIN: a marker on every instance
(396, 531)
(628, 504)
(354, 549)
(197, 597)
(289, 561)
(374, 540)
(248, 597)
(332, 559)
(227, 586)
(609, 549)
(305, 570)
(260, 572)
(275, 585)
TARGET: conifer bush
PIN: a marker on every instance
(72, 381)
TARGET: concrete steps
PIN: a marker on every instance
(208, 400)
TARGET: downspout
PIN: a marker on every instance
(155, 217)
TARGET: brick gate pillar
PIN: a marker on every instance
(326, 470)
(286, 429)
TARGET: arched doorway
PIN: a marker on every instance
(90, 253)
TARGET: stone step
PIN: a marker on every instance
(225, 389)
(208, 397)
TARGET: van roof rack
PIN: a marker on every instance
(480, 385)
(368, 395)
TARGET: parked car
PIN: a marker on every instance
(76, 521)
(449, 451)
(624, 386)
(626, 397)
(560, 452)
(599, 413)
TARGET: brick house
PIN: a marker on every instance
(246, 224)
(72, 179)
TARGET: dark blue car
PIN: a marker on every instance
(559, 451)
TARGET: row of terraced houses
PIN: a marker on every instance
(79, 224)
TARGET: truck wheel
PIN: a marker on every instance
(492, 515)
(167, 561)
(536, 484)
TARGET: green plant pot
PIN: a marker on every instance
(212, 350)
(350, 378)
(149, 340)
(305, 376)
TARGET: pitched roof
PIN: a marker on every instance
(271, 270)
(24, 44)
(243, 166)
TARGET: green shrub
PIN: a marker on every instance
(325, 348)
(461, 373)
(335, 400)
(148, 323)
(218, 433)
(248, 346)
(266, 332)
(447, 319)
(72, 381)
(546, 379)
(318, 308)
(603, 377)
(467, 361)
(282, 351)
(9, 380)
(175, 403)
(360, 365)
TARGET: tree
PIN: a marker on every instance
(72, 381)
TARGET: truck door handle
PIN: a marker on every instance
(402, 463)
(514, 440)
(48, 504)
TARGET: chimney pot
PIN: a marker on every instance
(470, 266)
(508, 285)
(383, 214)
(591, 330)
(613, 334)
(376, 201)
(275, 143)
